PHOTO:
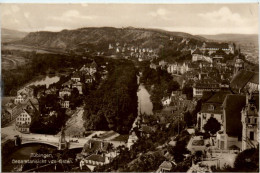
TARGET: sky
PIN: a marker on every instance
(191, 18)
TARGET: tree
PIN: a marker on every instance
(188, 91)
(212, 125)
(188, 118)
(248, 160)
(173, 86)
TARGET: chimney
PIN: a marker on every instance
(102, 145)
(90, 145)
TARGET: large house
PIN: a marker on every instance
(92, 161)
(205, 85)
(76, 76)
(213, 47)
(89, 68)
(23, 121)
(197, 55)
(74, 84)
(250, 123)
(96, 153)
(231, 136)
(178, 68)
(10, 109)
(65, 103)
(212, 107)
(64, 92)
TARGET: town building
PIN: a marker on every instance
(212, 107)
(231, 136)
(64, 92)
(29, 91)
(76, 76)
(65, 103)
(205, 85)
(197, 55)
(79, 86)
(166, 166)
(212, 47)
(92, 161)
(23, 121)
(250, 123)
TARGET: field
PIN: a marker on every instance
(10, 62)
(24, 48)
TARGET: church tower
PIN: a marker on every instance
(239, 64)
(62, 141)
(250, 124)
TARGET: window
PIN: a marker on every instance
(255, 120)
(251, 135)
(211, 107)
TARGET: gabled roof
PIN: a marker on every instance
(217, 45)
(75, 75)
(6, 100)
(233, 105)
(218, 97)
(93, 146)
(166, 165)
(93, 64)
(197, 51)
(214, 99)
(96, 157)
(243, 77)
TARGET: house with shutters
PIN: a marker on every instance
(23, 121)
(205, 85)
(64, 92)
(212, 107)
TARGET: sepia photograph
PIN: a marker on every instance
(129, 87)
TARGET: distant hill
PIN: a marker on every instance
(103, 36)
(237, 38)
(8, 35)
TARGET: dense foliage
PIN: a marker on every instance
(114, 104)
(162, 82)
(212, 125)
(246, 161)
(38, 64)
(44, 123)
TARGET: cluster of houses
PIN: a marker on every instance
(25, 106)
(20, 109)
(229, 94)
(141, 53)
(85, 75)
(96, 153)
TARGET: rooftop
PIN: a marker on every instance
(243, 77)
(233, 104)
(96, 157)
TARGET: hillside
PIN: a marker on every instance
(101, 37)
(251, 38)
(8, 35)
